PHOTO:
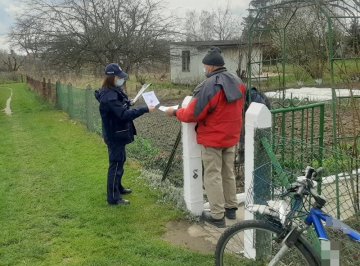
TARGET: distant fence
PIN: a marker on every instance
(156, 132)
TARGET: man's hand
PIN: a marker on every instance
(170, 111)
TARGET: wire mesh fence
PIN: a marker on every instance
(339, 187)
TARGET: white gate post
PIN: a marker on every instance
(193, 187)
(257, 124)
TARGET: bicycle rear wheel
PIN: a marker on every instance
(254, 242)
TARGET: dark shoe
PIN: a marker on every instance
(121, 202)
(207, 217)
(230, 213)
(125, 191)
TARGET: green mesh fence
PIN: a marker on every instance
(62, 97)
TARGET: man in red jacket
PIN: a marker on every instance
(217, 107)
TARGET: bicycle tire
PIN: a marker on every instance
(223, 257)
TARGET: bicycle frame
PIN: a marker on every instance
(315, 218)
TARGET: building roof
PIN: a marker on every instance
(226, 43)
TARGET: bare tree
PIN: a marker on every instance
(218, 24)
(226, 26)
(77, 33)
(207, 24)
(353, 39)
(191, 26)
(11, 62)
(27, 34)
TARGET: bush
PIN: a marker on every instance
(10, 77)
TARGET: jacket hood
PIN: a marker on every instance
(100, 93)
(229, 83)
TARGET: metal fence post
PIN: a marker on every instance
(57, 92)
(88, 95)
(49, 94)
(43, 92)
(257, 126)
(70, 109)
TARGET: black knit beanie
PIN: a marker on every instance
(213, 57)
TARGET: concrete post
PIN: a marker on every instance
(193, 187)
(257, 125)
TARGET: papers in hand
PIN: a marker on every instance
(165, 108)
(150, 98)
(141, 91)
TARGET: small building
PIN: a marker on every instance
(186, 59)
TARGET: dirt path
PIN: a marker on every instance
(7, 109)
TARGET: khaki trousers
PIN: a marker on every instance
(219, 179)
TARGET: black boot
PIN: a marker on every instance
(120, 202)
(230, 213)
(125, 191)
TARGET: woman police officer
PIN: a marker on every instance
(117, 127)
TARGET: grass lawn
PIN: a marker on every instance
(53, 208)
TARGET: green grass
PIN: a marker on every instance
(52, 197)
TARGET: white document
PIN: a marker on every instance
(150, 98)
(141, 91)
(165, 108)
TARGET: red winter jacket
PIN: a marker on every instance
(217, 107)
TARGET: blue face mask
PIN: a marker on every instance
(119, 82)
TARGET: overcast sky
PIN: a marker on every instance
(9, 9)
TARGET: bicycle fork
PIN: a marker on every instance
(288, 242)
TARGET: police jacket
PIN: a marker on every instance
(116, 115)
(217, 107)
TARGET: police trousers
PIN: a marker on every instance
(117, 158)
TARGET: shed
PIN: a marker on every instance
(186, 59)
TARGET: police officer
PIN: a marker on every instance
(117, 127)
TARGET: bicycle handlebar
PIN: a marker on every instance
(306, 186)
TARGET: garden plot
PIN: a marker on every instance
(312, 93)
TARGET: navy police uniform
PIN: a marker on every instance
(118, 130)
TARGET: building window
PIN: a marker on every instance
(185, 61)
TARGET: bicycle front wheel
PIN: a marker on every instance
(256, 242)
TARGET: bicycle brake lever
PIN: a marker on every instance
(309, 172)
(316, 176)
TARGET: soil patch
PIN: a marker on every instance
(198, 237)
(190, 236)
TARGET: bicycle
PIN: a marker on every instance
(278, 238)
